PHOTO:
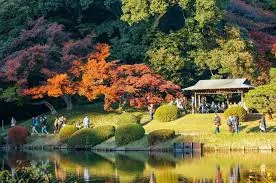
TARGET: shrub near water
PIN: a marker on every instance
(166, 113)
(128, 133)
(160, 136)
(66, 132)
(17, 135)
(91, 136)
(126, 118)
(236, 111)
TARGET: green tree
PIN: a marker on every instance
(262, 98)
(168, 56)
(233, 57)
(11, 94)
(204, 11)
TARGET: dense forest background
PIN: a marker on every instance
(183, 40)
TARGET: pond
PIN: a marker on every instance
(140, 167)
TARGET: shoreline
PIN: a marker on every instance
(130, 149)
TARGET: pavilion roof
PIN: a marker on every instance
(221, 84)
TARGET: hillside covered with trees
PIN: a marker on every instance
(50, 43)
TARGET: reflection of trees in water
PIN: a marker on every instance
(135, 167)
(17, 159)
(156, 161)
(126, 164)
(85, 165)
(259, 175)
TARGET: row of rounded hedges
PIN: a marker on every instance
(235, 111)
(128, 133)
(158, 136)
(17, 135)
(126, 118)
(66, 132)
(91, 136)
(166, 113)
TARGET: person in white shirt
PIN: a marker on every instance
(86, 122)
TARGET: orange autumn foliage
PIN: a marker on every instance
(57, 86)
(135, 84)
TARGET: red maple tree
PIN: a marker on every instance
(136, 84)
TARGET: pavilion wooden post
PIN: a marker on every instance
(199, 101)
(195, 103)
(242, 102)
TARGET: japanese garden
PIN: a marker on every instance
(141, 91)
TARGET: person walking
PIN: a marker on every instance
(230, 123)
(151, 111)
(13, 122)
(86, 122)
(217, 122)
(237, 124)
(44, 125)
(262, 124)
(34, 124)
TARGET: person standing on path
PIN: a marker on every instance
(262, 124)
(151, 111)
(34, 124)
(230, 123)
(237, 123)
(217, 123)
(86, 122)
(44, 125)
(13, 122)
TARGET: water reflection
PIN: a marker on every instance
(142, 167)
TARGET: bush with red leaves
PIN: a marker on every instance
(17, 135)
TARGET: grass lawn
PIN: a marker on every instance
(191, 127)
(95, 112)
(200, 128)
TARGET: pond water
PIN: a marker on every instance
(140, 167)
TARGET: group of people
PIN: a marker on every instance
(59, 123)
(213, 107)
(39, 122)
(234, 123)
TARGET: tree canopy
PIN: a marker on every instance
(179, 40)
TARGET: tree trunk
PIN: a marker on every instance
(47, 104)
(269, 115)
(68, 101)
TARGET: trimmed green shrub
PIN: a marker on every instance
(91, 136)
(126, 118)
(104, 132)
(160, 136)
(17, 135)
(128, 133)
(66, 132)
(166, 113)
(236, 111)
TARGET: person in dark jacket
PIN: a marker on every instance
(217, 123)
(44, 125)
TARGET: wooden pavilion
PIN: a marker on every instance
(218, 87)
